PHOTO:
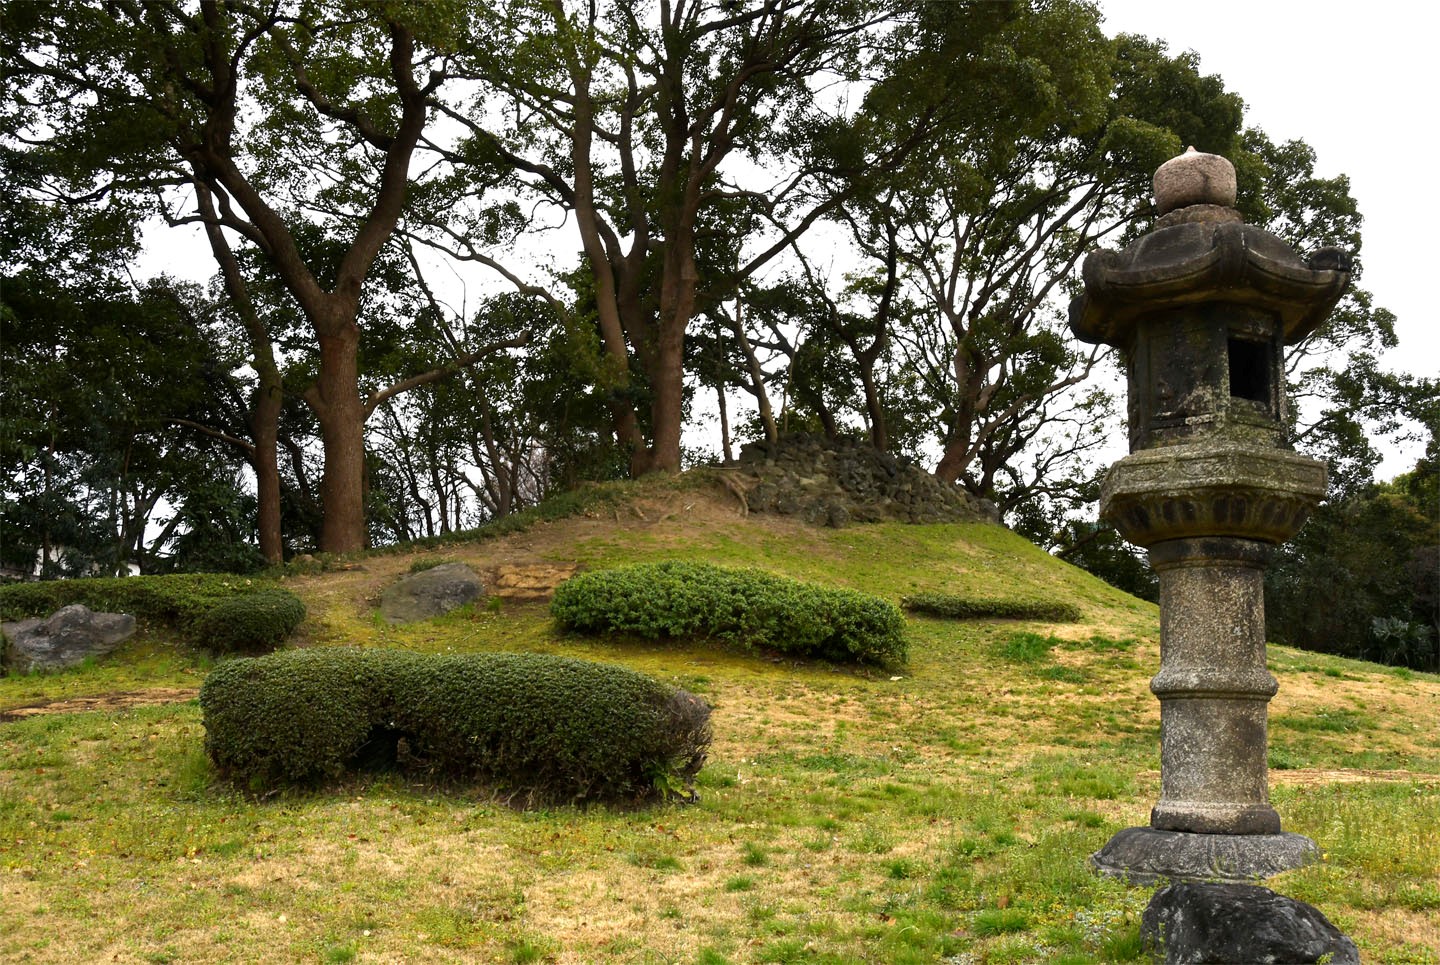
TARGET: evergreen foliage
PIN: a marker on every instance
(213, 610)
(746, 607)
(1359, 580)
(550, 728)
(249, 623)
(957, 607)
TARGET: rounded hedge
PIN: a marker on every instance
(252, 623)
(550, 728)
(746, 607)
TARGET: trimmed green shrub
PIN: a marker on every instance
(252, 623)
(178, 600)
(552, 728)
(957, 607)
(174, 599)
(745, 607)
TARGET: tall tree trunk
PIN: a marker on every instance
(269, 394)
(335, 399)
(667, 391)
(265, 430)
(952, 463)
(757, 378)
(879, 434)
(725, 451)
(679, 279)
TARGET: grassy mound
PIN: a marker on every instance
(746, 607)
(552, 727)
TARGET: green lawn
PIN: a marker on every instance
(941, 811)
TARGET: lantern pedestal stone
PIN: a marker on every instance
(1201, 308)
(1146, 856)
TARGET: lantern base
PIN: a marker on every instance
(1147, 856)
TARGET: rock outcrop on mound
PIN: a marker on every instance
(430, 593)
(67, 637)
(837, 482)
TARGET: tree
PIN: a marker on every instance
(294, 127)
(98, 378)
(988, 224)
(642, 122)
(1354, 581)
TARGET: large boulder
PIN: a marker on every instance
(430, 593)
(65, 638)
(1211, 923)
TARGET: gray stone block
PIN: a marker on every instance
(1147, 856)
(1207, 923)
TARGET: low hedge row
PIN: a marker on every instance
(221, 612)
(553, 728)
(965, 608)
(746, 607)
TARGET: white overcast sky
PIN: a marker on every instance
(1357, 82)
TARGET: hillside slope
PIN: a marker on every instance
(939, 811)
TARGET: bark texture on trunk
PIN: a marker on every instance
(335, 398)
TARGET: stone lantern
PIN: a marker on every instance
(1201, 308)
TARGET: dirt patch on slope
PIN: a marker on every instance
(102, 702)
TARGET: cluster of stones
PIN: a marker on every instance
(1201, 308)
(835, 482)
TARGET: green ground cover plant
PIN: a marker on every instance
(747, 607)
(550, 728)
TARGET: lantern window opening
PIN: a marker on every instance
(1250, 370)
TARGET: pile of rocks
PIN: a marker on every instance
(834, 482)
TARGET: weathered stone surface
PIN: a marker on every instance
(430, 593)
(1211, 488)
(1147, 856)
(1197, 261)
(836, 482)
(1220, 923)
(1213, 688)
(1194, 178)
(1200, 214)
(1201, 308)
(65, 638)
(530, 583)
